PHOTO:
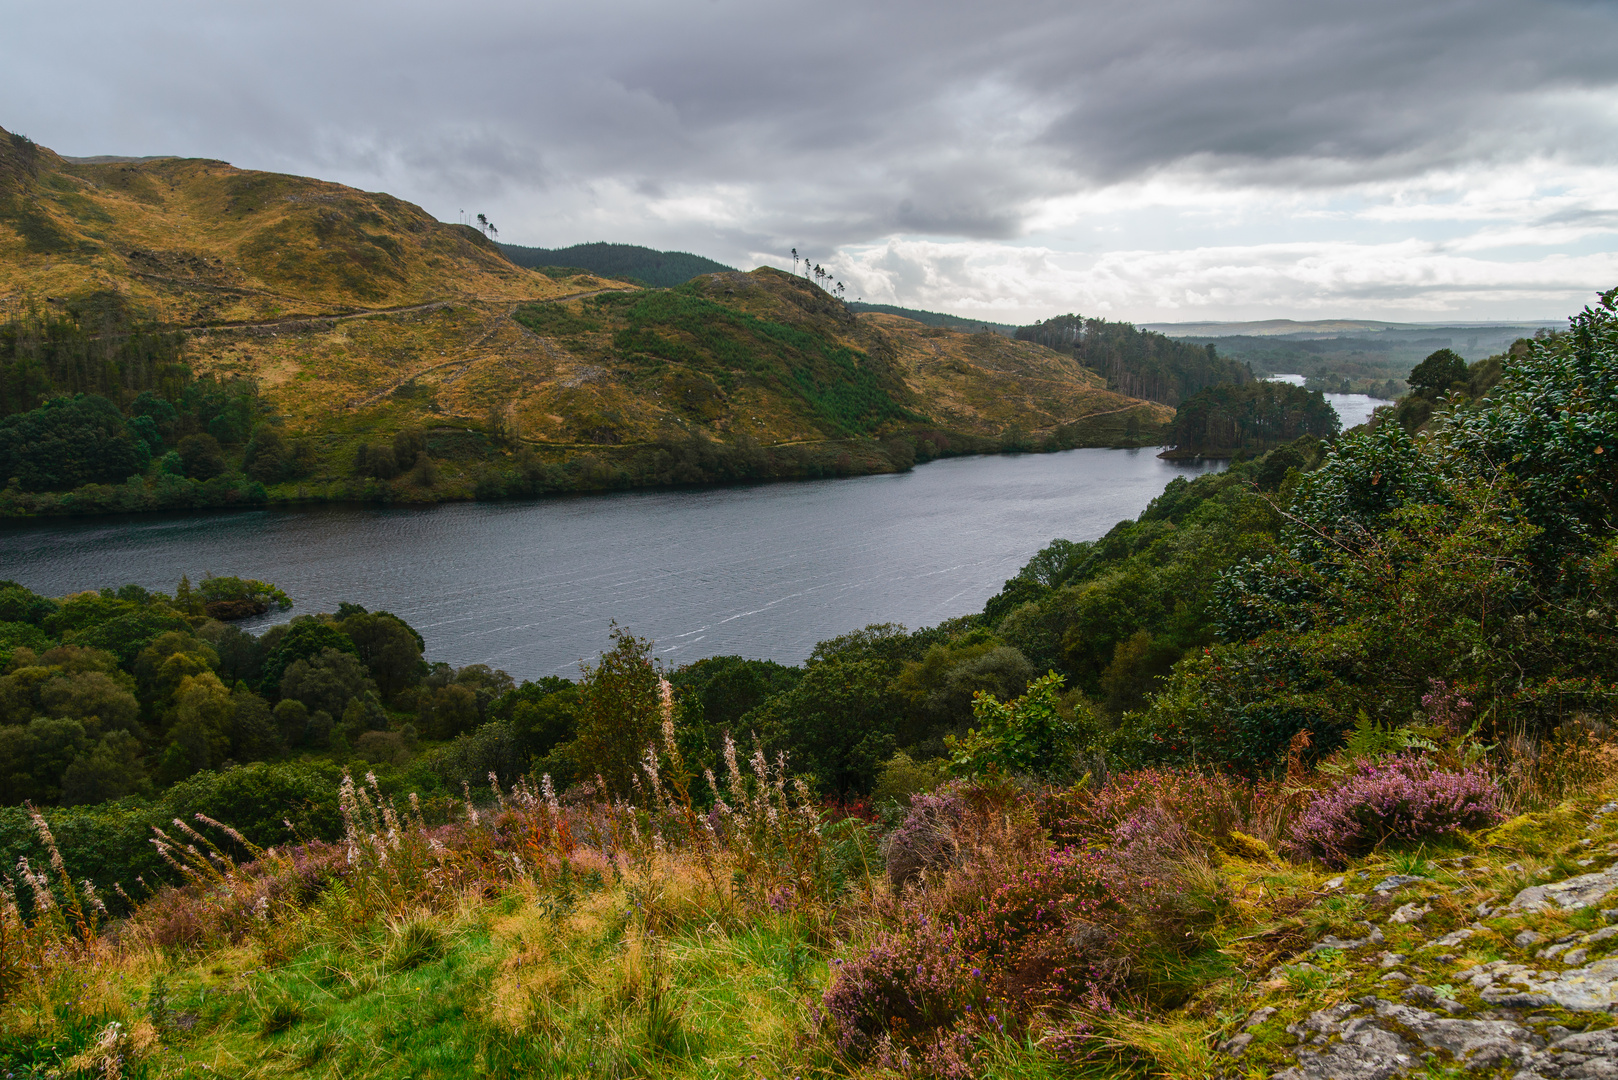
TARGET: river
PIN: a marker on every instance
(532, 587)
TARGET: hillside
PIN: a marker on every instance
(1138, 362)
(315, 342)
(192, 242)
(660, 269)
(937, 318)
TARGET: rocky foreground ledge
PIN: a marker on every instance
(1526, 989)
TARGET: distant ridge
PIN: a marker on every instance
(661, 269)
(937, 318)
(1332, 327)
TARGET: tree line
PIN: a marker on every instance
(1139, 363)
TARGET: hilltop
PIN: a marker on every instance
(194, 242)
(659, 269)
(338, 344)
(937, 318)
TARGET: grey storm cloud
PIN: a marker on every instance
(832, 123)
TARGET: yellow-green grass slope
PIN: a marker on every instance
(194, 242)
(359, 315)
(654, 966)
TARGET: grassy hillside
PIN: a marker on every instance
(335, 344)
(660, 269)
(1139, 926)
(192, 242)
(937, 318)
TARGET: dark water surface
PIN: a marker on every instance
(531, 587)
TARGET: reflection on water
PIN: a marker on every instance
(532, 587)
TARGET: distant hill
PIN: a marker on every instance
(1364, 357)
(1321, 328)
(1137, 362)
(1269, 327)
(660, 269)
(938, 318)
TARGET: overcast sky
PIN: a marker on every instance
(1152, 160)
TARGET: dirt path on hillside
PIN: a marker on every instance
(300, 322)
(468, 355)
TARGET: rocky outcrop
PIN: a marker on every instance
(1545, 1016)
(1378, 1040)
(1586, 890)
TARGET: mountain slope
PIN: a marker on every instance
(937, 318)
(661, 269)
(329, 324)
(197, 242)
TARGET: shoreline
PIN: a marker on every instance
(583, 474)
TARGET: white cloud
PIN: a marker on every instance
(1304, 144)
(1401, 280)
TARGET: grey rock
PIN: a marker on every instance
(1393, 1039)
(1589, 1055)
(1609, 914)
(1484, 909)
(1258, 1017)
(1409, 913)
(1236, 1044)
(1527, 939)
(1329, 1021)
(1449, 941)
(1604, 934)
(1395, 977)
(1392, 959)
(1553, 951)
(1512, 999)
(1331, 941)
(1397, 881)
(1591, 988)
(1576, 957)
(1370, 1053)
(1570, 895)
(1335, 883)
(1320, 1026)
(1477, 1043)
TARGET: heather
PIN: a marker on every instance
(1394, 798)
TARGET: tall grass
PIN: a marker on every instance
(1101, 929)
